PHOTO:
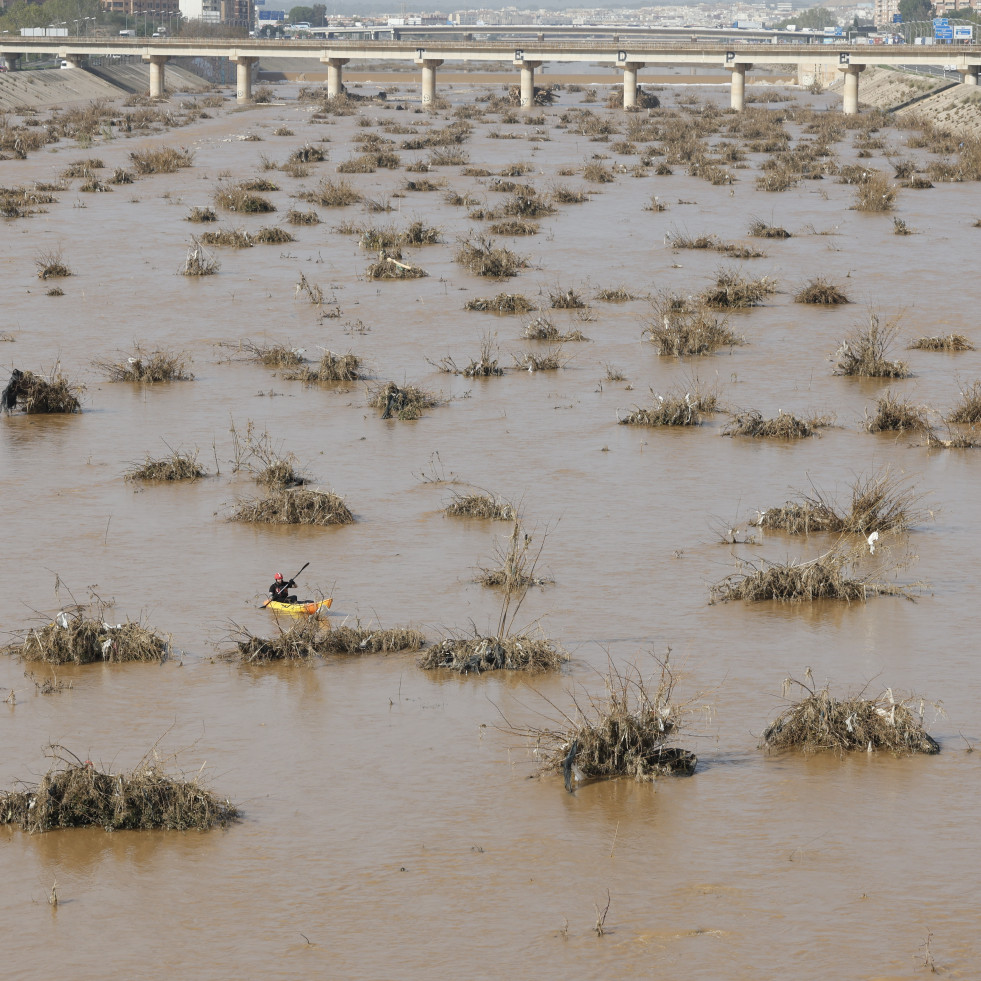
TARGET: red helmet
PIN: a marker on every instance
(278, 577)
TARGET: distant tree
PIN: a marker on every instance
(911, 10)
(315, 16)
(817, 18)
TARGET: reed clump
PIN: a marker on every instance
(148, 367)
(331, 368)
(161, 160)
(481, 506)
(391, 266)
(821, 722)
(833, 576)
(629, 731)
(38, 394)
(333, 194)
(81, 635)
(504, 303)
(477, 654)
(864, 352)
(177, 466)
(759, 228)
(51, 265)
(877, 502)
(315, 637)
(968, 409)
(74, 794)
(202, 215)
(685, 328)
(273, 355)
(821, 291)
(483, 258)
(542, 329)
(945, 342)
(296, 507)
(673, 409)
(242, 199)
(734, 292)
(199, 262)
(893, 413)
(784, 426)
(405, 403)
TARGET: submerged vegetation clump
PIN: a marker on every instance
(74, 794)
(331, 368)
(405, 403)
(315, 637)
(481, 257)
(784, 426)
(896, 414)
(968, 409)
(673, 409)
(946, 342)
(161, 159)
(506, 303)
(821, 722)
(148, 367)
(177, 466)
(864, 351)
(477, 654)
(81, 635)
(38, 395)
(481, 506)
(296, 507)
(684, 328)
(821, 291)
(833, 575)
(878, 502)
(630, 731)
(390, 266)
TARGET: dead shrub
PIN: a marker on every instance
(485, 506)
(296, 507)
(405, 403)
(331, 368)
(148, 367)
(896, 414)
(482, 258)
(685, 328)
(968, 409)
(946, 342)
(177, 466)
(38, 394)
(504, 303)
(864, 351)
(161, 160)
(784, 426)
(51, 265)
(821, 291)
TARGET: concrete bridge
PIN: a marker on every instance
(629, 55)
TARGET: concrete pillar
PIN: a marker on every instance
(10, 60)
(429, 66)
(335, 78)
(969, 75)
(737, 90)
(528, 82)
(157, 63)
(850, 106)
(243, 78)
(630, 85)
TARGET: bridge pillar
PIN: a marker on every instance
(335, 78)
(969, 75)
(528, 82)
(9, 60)
(630, 83)
(429, 66)
(850, 106)
(157, 63)
(737, 91)
(243, 78)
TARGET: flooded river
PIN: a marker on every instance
(392, 826)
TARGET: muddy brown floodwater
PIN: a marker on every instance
(392, 827)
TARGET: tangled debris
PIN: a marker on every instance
(177, 466)
(403, 403)
(478, 654)
(784, 426)
(74, 794)
(148, 367)
(80, 635)
(296, 507)
(331, 368)
(820, 721)
(40, 395)
(627, 732)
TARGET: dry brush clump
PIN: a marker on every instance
(504, 303)
(481, 506)
(676, 408)
(51, 265)
(822, 722)
(38, 394)
(272, 355)
(333, 194)
(161, 160)
(148, 367)
(81, 635)
(477, 654)
(391, 266)
(968, 409)
(242, 198)
(759, 228)
(893, 413)
(405, 403)
(177, 466)
(864, 352)
(481, 257)
(880, 501)
(875, 194)
(296, 507)
(834, 575)
(331, 368)
(316, 637)
(735, 292)
(685, 327)
(821, 291)
(74, 794)
(542, 329)
(945, 342)
(198, 261)
(783, 426)
(485, 365)
(630, 730)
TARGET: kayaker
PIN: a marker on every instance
(279, 590)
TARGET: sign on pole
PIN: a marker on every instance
(963, 32)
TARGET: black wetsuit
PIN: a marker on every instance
(279, 591)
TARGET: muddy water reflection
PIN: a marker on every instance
(388, 820)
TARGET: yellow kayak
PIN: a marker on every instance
(309, 608)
